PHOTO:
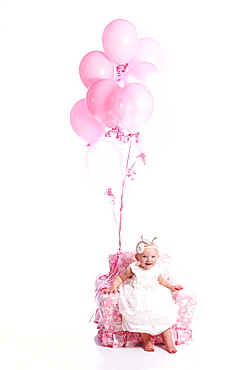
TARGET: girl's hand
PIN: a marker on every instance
(110, 290)
(173, 288)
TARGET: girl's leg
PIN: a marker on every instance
(148, 346)
(167, 337)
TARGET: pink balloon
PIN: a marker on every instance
(102, 98)
(120, 41)
(149, 50)
(143, 73)
(135, 106)
(94, 66)
(104, 161)
(84, 123)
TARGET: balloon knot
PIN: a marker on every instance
(110, 194)
(143, 157)
(131, 173)
(121, 69)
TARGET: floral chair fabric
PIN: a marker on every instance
(108, 318)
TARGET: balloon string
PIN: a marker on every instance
(114, 214)
(122, 198)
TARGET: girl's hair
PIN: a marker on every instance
(145, 243)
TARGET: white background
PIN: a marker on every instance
(57, 228)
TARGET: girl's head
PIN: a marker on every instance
(147, 253)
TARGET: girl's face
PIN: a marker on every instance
(148, 258)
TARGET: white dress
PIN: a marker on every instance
(145, 305)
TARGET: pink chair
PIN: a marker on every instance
(108, 318)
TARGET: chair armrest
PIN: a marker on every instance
(186, 303)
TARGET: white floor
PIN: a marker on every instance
(75, 349)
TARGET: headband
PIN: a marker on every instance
(145, 243)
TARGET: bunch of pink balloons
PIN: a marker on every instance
(111, 101)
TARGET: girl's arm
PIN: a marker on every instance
(118, 281)
(168, 285)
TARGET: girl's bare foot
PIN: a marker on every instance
(148, 346)
(168, 341)
(171, 349)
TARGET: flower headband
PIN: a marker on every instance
(145, 243)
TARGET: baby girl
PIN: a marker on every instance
(146, 307)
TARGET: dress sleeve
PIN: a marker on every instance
(133, 266)
(159, 270)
